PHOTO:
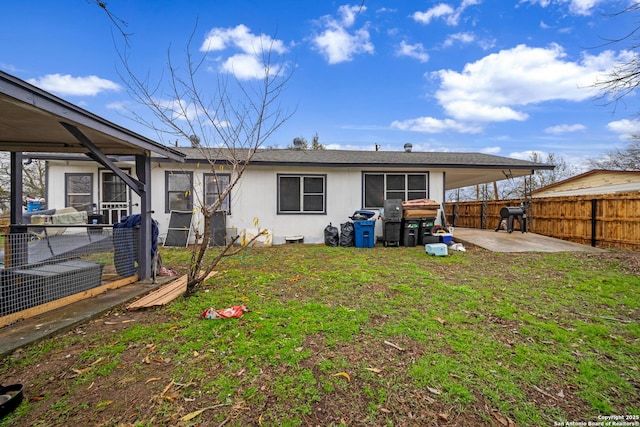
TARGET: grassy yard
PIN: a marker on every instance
(346, 336)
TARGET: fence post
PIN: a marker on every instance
(594, 212)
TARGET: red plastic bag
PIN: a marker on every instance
(228, 313)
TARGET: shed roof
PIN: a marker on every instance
(596, 181)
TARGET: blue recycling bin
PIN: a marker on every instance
(365, 233)
(33, 205)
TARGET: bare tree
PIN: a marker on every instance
(627, 158)
(227, 121)
(625, 77)
(33, 180)
(518, 188)
(301, 143)
(623, 80)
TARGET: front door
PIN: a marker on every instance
(115, 197)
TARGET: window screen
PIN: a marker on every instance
(179, 197)
(379, 187)
(79, 191)
(301, 193)
(215, 184)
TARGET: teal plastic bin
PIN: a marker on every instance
(437, 249)
(365, 233)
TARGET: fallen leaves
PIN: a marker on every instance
(170, 392)
(441, 320)
(502, 420)
(104, 404)
(390, 344)
(194, 414)
(434, 390)
(343, 374)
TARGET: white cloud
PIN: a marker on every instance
(247, 67)
(415, 51)
(435, 12)
(178, 109)
(75, 86)
(565, 128)
(491, 150)
(475, 111)
(463, 38)
(625, 128)
(348, 14)
(247, 64)
(433, 125)
(450, 15)
(494, 87)
(118, 105)
(497, 87)
(240, 37)
(576, 7)
(336, 43)
(527, 155)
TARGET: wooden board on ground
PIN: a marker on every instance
(164, 294)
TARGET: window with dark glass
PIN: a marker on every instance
(113, 188)
(214, 185)
(179, 186)
(78, 191)
(379, 187)
(301, 193)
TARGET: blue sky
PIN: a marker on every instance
(493, 76)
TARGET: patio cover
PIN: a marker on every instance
(32, 120)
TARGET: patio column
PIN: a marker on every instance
(143, 171)
(15, 248)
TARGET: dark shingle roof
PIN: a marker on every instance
(346, 158)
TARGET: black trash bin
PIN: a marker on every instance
(392, 222)
(391, 232)
(410, 232)
(424, 230)
(95, 219)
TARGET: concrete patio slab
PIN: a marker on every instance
(501, 241)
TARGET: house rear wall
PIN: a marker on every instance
(254, 199)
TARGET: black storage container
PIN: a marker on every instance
(95, 219)
(391, 232)
(424, 230)
(393, 209)
(410, 232)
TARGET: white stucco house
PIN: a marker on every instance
(290, 192)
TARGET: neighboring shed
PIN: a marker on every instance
(595, 181)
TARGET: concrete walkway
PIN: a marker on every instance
(501, 241)
(66, 318)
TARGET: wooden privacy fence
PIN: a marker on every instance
(602, 220)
